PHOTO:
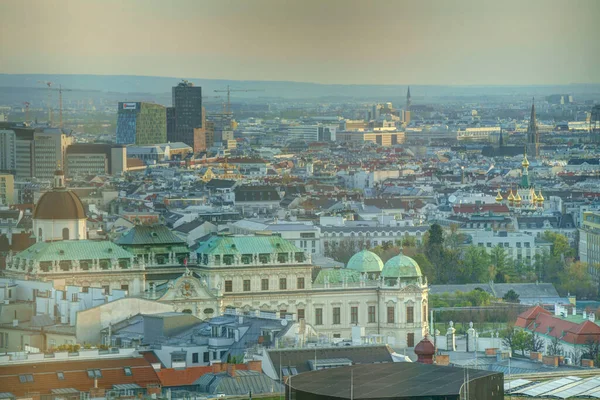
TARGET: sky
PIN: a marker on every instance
(427, 42)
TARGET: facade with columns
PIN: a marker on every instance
(249, 273)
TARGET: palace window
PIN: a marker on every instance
(390, 315)
(410, 314)
(246, 285)
(318, 316)
(354, 315)
(300, 313)
(264, 284)
(337, 316)
(228, 286)
(300, 283)
(410, 339)
(282, 283)
(371, 315)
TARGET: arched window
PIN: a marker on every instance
(40, 233)
(65, 233)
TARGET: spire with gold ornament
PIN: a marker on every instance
(511, 197)
(518, 199)
(540, 199)
(499, 197)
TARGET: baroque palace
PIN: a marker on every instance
(261, 272)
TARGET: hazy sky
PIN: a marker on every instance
(466, 42)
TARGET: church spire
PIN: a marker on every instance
(408, 102)
(59, 177)
(533, 138)
(525, 171)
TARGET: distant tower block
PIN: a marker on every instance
(595, 124)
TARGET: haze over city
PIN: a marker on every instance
(431, 42)
(309, 200)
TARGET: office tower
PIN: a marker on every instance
(189, 115)
(85, 159)
(170, 123)
(49, 147)
(16, 149)
(141, 123)
(7, 188)
(533, 135)
(8, 150)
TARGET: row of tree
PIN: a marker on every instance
(445, 259)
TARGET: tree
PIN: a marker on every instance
(522, 341)
(427, 268)
(511, 297)
(560, 245)
(591, 348)
(474, 265)
(536, 343)
(341, 251)
(503, 266)
(576, 280)
(508, 337)
(555, 347)
(516, 339)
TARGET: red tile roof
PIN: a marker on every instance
(170, 377)
(543, 322)
(45, 376)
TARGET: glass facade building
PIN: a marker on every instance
(187, 101)
(141, 123)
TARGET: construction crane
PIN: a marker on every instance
(229, 90)
(60, 107)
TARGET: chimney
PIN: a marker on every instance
(231, 370)
(255, 365)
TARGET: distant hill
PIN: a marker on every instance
(282, 89)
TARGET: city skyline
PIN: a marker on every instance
(427, 43)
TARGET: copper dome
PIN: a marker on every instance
(59, 204)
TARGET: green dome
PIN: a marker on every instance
(365, 261)
(401, 266)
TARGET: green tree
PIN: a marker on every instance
(502, 264)
(427, 268)
(474, 265)
(511, 297)
(522, 341)
(560, 245)
(576, 280)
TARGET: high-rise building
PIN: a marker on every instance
(8, 149)
(141, 123)
(189, 115)
(589, 242)
(171, 122)
(7, 188)
(16, 149)
(533, 135)
(50, 147)
(96, 159)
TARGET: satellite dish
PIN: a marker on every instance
(452, 199)
(284, 322)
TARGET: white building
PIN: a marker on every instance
(518, 246)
